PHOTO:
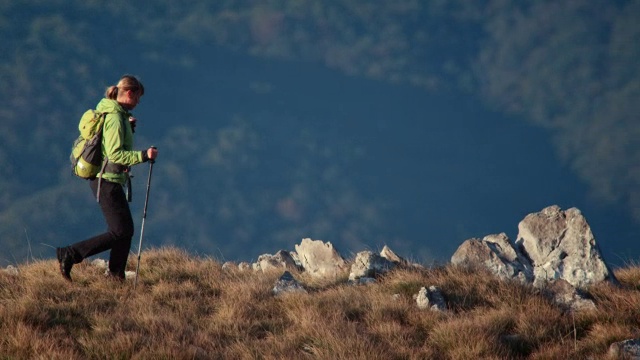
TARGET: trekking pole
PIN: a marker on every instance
(144, 216)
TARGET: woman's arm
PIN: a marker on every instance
(118, 141)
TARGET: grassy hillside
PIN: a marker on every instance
(187, 307)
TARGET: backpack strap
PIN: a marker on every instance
(106, 159)
(104, 165)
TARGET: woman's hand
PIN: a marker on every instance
(132, 122)
(152, 153)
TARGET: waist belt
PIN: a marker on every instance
(115, 168)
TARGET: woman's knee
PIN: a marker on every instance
(125, 231)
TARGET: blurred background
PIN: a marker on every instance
(412, 124)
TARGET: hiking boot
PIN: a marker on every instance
(65, 260)
(109, 275)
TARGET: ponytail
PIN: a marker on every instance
(112, 92)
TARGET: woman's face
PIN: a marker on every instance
(130, 99)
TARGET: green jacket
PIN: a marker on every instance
(117, 142)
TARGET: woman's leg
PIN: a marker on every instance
(117, 214)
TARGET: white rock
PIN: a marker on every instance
(319, 259)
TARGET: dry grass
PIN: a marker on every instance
(187, 307)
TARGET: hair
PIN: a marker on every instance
(127, 82)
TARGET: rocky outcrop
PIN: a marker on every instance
(495, 253)
(551, 245)
(368, 265)
(267, 262)
(560, 245)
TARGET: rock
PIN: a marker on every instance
(496, 254)
(431, 298)
(100, 264)
(281, 259)
(628, 349)
(568, 297)
(559, 244)
(296, 259)
(104, 265)
(244, 266)
(287, 284)
(320, 259)
(368, 264)
(11, 270)
(229, 265)
(551, 245)
(388, 254)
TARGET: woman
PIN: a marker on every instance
(117, 148)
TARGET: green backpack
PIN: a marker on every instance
(86, 153)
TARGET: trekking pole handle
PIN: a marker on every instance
(155, 148)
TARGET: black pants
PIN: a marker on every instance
(115, 209)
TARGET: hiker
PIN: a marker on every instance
(109, 185)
